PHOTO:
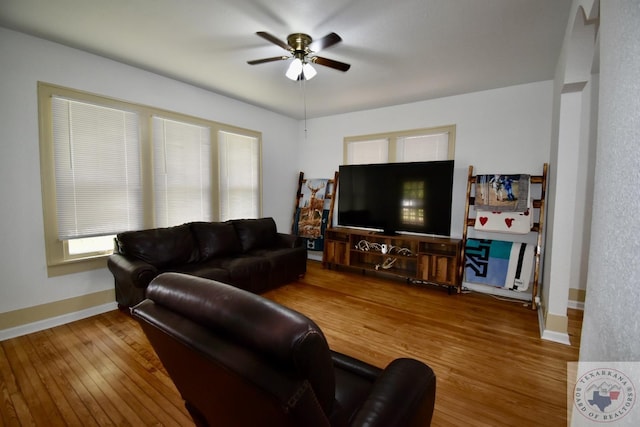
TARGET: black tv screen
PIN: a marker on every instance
(394, 197)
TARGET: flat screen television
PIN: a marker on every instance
(395, 197)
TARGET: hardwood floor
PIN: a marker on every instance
(492, 368)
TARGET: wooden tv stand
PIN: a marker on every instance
(417, 258)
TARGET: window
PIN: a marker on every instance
(90, 245)
(368, 151)
(97, 177)
(108, 166)
(239, 175)
(426, 147)
(181, 172)
(406, 146)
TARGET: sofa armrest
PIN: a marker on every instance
(403, 395)
(132, 272)
(284, 240)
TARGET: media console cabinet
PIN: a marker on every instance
(424, 259)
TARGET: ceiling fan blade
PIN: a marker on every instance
(262, 61)
(331, 63)
(325, 42)
(274, 40)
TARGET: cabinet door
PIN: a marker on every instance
(438, 269)
(335, 252)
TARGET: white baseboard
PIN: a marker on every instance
(56, 321)
(559, 337)
(314, 255)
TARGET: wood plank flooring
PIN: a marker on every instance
(492, 368)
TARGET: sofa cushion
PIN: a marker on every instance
(203, 270)
(216, 239)
(256, 233)
(285, 264)
(250, 273)
(160, 247)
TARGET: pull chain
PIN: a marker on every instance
(303, 84)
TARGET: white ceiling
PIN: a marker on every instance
(401, 51)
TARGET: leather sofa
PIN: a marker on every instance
(239, 359)
(247, 253)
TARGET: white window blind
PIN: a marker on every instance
(416, 145)
(97, 169)
(239, 184)
(182, 172)
(364, 152)
(422, 148)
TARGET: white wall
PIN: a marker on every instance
(26, 60)
(571, 171)
(504, 130)
(611, 323)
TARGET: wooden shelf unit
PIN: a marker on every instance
(416, 258)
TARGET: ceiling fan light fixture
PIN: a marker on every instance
(308, 71)
(294, 70)
(302, 49)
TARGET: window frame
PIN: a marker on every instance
(58, 259)
(392, 140)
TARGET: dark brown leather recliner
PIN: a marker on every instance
(239, 359)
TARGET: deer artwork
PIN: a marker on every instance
(310, 221)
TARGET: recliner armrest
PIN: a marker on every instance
(358, 367)
(403, 395)
(134, 272)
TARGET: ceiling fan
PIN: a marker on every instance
(302, 49)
